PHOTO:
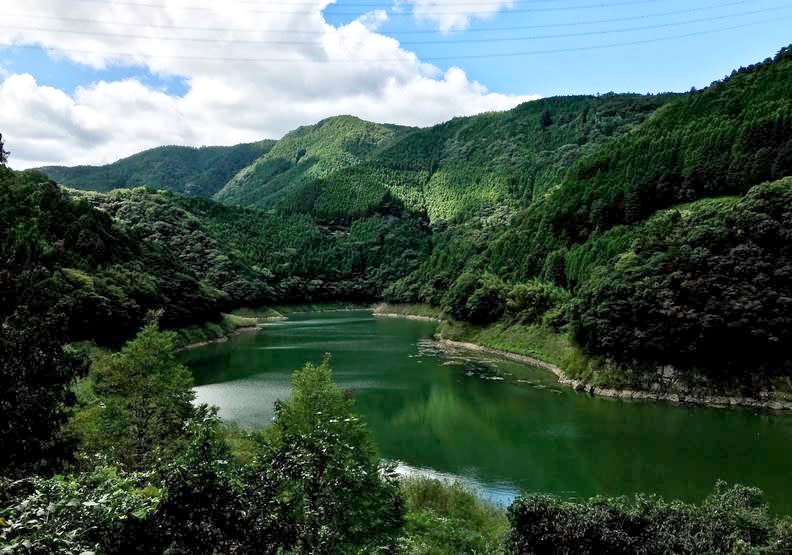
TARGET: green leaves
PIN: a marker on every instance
(143, 400)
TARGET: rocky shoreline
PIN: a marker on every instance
(764, 400)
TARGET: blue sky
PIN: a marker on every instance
(565, 47)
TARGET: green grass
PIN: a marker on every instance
(424, 310)
(539, 342)
(260, 313)
(445, 518)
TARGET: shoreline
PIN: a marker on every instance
(221, 339)
(406, 316)
(715, 401)
(763, 401)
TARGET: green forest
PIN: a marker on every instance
(620, 237)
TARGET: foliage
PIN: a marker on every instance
(449, 519)
(74, 514)
(526, 303)
(705, 286)
(199, 172)
(143, 398)
(58, 251)
(205, 505)
(731, 519)
(321, 462)
(258, 257)
(35, 375)
(303, 156)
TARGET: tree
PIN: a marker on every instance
(3, 153)
(144, 398)
(35, 376)
(321, 461)
(546, 119)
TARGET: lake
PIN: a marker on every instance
(499, 426)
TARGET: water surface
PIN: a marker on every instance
(499, 426)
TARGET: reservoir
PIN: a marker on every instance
(499, 426)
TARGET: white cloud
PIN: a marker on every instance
(451, 15)
(321, 70)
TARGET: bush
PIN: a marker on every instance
(448, 518)
(528, 302)
(96, 511)
(319, 462)
(476, 299)
(730, 518)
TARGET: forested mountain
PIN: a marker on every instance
(455, 168)
(706, 277)
(198, 172)
(305, 155)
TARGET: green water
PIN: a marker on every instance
(499, 426)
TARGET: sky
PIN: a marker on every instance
(92, 81)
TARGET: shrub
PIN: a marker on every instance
(730, 518)
(527, 302)
(448, 518)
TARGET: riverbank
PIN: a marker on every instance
(251, 319)
(557, 353)
(409, 311)
(194, 337)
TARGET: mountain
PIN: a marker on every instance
(636, 218)
(305, 155)
(199, 172)
(257, 257)
(343, 168)
(614, 235)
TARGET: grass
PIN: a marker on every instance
(537, 341)
(424, 310)
(444, 518)
(260, 313)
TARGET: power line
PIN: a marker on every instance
(400, 32)
(408, 43)
(394, 60)
(425, 13)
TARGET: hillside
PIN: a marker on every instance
(305, 155)
(199, 172)
(444, 171)
(66, 261)
(256, 257)
(587, 228)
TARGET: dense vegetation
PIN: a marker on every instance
(616, 236)
(259, 257)
(590, 217)
(597, 249)
(199, 172)
(730, 520)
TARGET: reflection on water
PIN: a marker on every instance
(496, 425)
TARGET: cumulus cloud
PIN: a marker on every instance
(251, 73)
(451, 15)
